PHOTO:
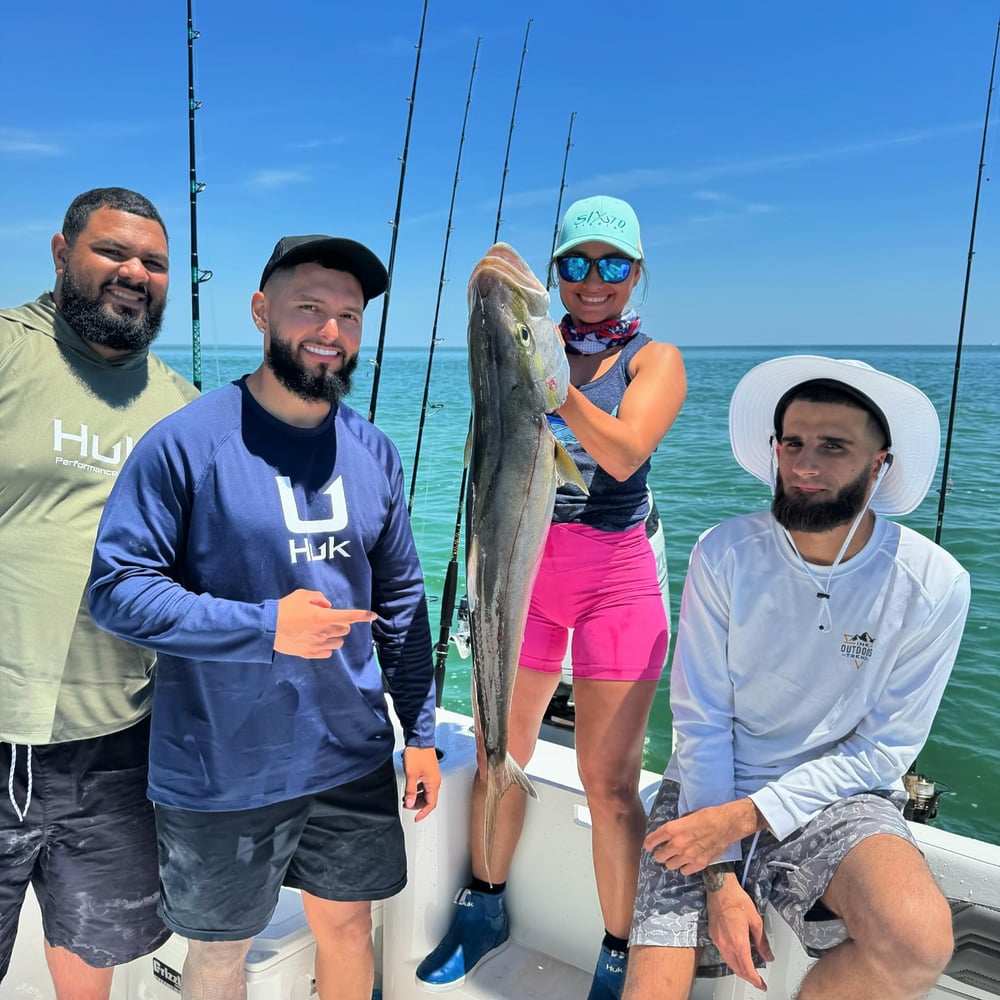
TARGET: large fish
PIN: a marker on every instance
(517, 372)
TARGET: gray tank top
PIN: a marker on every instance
(611, 505)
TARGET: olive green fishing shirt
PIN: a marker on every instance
(68, 420)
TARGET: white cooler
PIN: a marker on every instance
(279, 965)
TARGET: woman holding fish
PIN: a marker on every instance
(597, 577)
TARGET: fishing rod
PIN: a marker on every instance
(922, 791)
(965, 300)
(411, 100)
(197, 275)
(562, 187)
(510, 132)
(441, 282)
(451, 574)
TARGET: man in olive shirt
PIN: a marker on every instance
(78, 387)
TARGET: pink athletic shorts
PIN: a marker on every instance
(602, 585)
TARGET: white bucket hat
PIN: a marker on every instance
(913, 424)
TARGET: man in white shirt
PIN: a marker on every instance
(814, 645)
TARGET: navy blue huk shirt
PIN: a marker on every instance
(221, 510)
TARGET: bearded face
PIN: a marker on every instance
(311, 382)
(111, 324)
(801, 512)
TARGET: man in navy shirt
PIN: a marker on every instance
(259, 541)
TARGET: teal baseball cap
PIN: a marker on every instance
(601, 217)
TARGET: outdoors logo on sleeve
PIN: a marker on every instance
(327, 524)
(857, 648)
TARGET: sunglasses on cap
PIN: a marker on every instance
(613, 270)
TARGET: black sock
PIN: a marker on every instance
(477, 885)
(614, 943)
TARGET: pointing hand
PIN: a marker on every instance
(308, 626)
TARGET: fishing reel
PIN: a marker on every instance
(461, 634)
(923, 792)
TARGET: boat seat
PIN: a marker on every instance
(976, 962)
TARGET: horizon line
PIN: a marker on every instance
(680, 346)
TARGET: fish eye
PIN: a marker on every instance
(524, 333)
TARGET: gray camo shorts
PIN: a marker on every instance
(790, 874)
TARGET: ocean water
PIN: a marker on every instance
(697, 482)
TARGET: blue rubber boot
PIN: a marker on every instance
(609, 976)
(480, 929)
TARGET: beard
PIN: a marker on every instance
(97, 322)
(813, 516)
(319, 385)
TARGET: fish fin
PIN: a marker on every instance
(566, 470)
(497, 783)
(517, 777)
(500, 777)
(467, 457)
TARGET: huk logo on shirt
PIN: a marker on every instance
(81, 449)
(295, 523)
(857, 648)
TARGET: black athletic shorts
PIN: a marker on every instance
(86, 844)
(221, 872)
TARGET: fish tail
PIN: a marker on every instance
(499, 778)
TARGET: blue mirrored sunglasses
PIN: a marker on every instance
(613, 270)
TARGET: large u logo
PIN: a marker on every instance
(337, 520)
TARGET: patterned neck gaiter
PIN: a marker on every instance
(593, 337)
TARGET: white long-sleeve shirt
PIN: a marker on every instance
(768, 705)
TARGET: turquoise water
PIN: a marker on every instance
(697, 483)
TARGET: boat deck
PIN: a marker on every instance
(552, 902)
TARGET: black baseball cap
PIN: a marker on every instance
(333, 252)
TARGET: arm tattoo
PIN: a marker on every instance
(714, 876)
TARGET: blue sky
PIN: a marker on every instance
(803, 173)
